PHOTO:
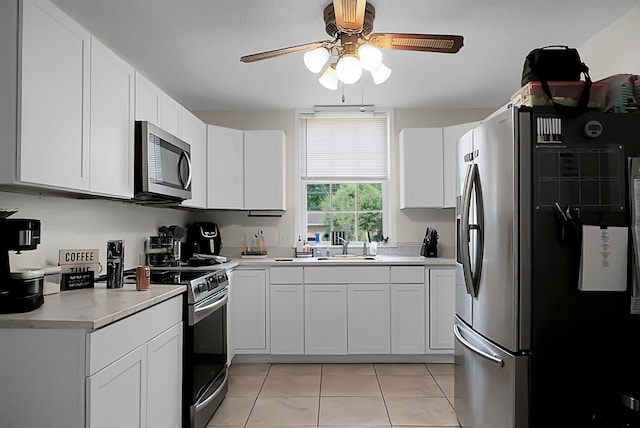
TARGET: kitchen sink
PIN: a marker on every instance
(347, 258)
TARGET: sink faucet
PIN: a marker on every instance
(345, 244)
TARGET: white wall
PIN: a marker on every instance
(74, 223)
(280, 233)
(615, 49)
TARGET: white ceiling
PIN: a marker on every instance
(192, 48)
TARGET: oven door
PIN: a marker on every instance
(205, 369)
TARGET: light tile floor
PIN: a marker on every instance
(338, 395)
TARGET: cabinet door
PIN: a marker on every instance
(441, 308)
(368, 319)
(164, 379)
(117, 394)
(325, 319)
(408, 318)
(421, 168)
(111, 141)
(54, 98)
(450, 136)
(250, 310)
(148, 100)
(287, 319)
(264, 170)
(194, 132)
(225, 168)
(171, 116)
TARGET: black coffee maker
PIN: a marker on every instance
(19, 291)
(430, 243)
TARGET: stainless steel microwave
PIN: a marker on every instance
(162, 165)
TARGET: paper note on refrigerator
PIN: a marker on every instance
(603, 265)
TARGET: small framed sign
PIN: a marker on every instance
(78, 257)
(76, 280)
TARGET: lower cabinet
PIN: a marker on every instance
(250, 310)
(368, 319)
(126, 374)
(325, 319)
(441, 304)
(287, 310)
(408, 326)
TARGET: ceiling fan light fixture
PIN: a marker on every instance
(370, 56)
(348, 70)
(315, 59)
(380, 74)
(329, 79)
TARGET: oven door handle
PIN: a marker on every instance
(200, 312)
(215, 393)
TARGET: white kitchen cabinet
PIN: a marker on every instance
(428, 166)
(287, 310)
(250, 311)
(111, 119)
(441, 304)
(325, 319)
(194, 133)
(225, 168)
(113, 376)
(52, 87)
(264, 170)
(164, 379)
(451, 135)
(408, 328)
(368, 319)
(421, 168)
(117, 395)
(154, 105)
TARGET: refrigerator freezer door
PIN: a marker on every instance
(496, 307)
(490, 384)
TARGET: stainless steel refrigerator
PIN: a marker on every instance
(531, 348)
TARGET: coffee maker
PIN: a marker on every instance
(20, 291)
(165, 249)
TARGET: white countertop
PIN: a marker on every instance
(90, 308)
(351, 261)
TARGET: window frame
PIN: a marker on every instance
(300, 190)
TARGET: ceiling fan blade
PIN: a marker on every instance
(417, 42)
(349, 14)
(285, 51)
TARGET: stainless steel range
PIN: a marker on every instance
(205, 372)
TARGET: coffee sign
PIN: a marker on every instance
(78, 257)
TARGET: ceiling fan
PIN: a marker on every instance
(354, 47)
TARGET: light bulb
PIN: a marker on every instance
(380, 73)
(329, 79)
(315, 59)
(349, 70)
(370, 56)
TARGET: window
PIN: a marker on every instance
(344, 170)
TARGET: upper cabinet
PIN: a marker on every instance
(428, 166)
(264, 170)
(421, 168)
(111, 119)
(194, 132)
(153, 105)
(246, 169)
(225, 175)
(71, 104)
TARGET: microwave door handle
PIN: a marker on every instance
(184, 157)
(465, 230)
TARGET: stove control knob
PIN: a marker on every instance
(202, 286)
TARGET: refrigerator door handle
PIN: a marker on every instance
(479, 253)
(472, 278)
(493, 358)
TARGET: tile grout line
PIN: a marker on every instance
(257, 395)
(384, 400)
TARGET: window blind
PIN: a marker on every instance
(344, 147)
